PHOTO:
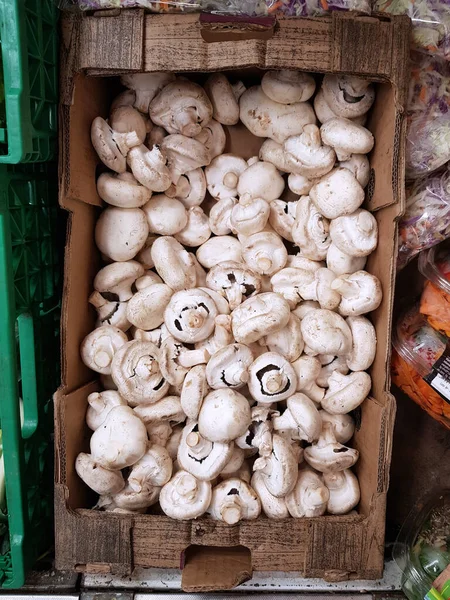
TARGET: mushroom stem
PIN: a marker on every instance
(276, 382)
(231, 513)
(103, 358)
(348, 289)
(316, 497)
(230, 179)
(186, 487)
(285, 421)
(97, 300)
(186, 122)
(264, 263)
(190, 358)
(95, 400)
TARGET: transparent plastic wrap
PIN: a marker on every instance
(431, 22)
(418, 351)
(434, 264)
(428, 137)
(426, 221)
(293, 8)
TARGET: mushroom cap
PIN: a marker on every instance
(100, 403)
(110, 145)
(258, 316)
(359, 165)
(153, 469)
(322, 108)
(223, 99)
(121, 232)
(190, 315)
(327, 455)
(338, 363)
(303, 416)
(224, 415)
(272, 378)
(309, 497)
(173, 264)
(299, 184)
(346, 392)
(234, 280)
(185, 497)
(122, 190)
(280, 468)
(346, 137)
(166, 216)
(191, 188)
(325, 332)
(348, 96)
(273, 152)
(117, 279)
(310, 231)
(197, 230)
(264, 252)
(126, 119)
(340, 263)
(135, 370)
(213, 137)
(228, 367)
(273, 507)
(265, 118)
(181, 107)
(99, 479)
(144, 256)
(336, 194)
(312, 159)
(222, 175)
(125, 98)
(288, 87)
(195, 387)
(220, 216)
(304, 308)
(344, 491)
(343, 426)
(165, 409)
(361, 293)
(99, 347)
(200, 457)
(149, 167)
(282, 218)
(145, 309)
(261, 180)
(120, 441)
(184, 154)
(293, 282)
(213, 251)
(132, 501)
(249, 215)
(169, 360)
(146, 86)
(159, 433)
(287, 341)
(355, 234)
(364, 345)
(233, 500)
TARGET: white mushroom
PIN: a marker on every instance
(307, 369)
(175, 360)
(145, 309)
(99, 479)
(197, 231)
(233, 280)
(120, 441)
(293, 282)
(309, 497)
(159, 433)
(338, 193)
(213, 137)
(359, 165)
(181, 107)
(218, 248)
(364, 345)
(273, 507)
(190, 189)
(265, 118)
(109, 312)
(121, 232)
(222, 175)
(340, 263)
(234, 464)
(135, 370)
(224, 415)
(185, 497)
(98, 348)
(146, 86)
(233, 500)
(272, 378)
(220, 216)
(125, 98)
(310, 231)
(195, 387)
(360, 293)
(258, 316)
(287, 341)
(111, 146)
(153, 469)
(301, 416)
(223, 99)
(348, 96)
(355, 234)
(190, 315)
(346, 137)
(288, 87)
(122, 190)
(279, 468)
(200, 457)
(261, 180)
(274, 153)
(249, 215)
(155, 136)
(100, 404)
(344, 491)
(311, 158)
(333, 363)
(346, 392)
(167, 409)
(149, 167)
(303, 308)
(322, 108)
(327, 455)
(221, 337)
(282, 218)
(321, 289)
(264, 252)
(228, 367)
(165, 216)
(175, 266)
(115, 280)
(299, 184)
(184, 154)
(259, 433)
(343, 426)
(144, 256)
(173, 441)
(325, 332)
(131, 501)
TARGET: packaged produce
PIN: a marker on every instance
(431, 22)
(420, 364)
(434, 264)
(426, 221)
(428, 113)
(422, 549)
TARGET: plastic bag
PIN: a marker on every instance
(314, 8)
(434, 264)
(431, 22)
(426, 221)
(428, 113)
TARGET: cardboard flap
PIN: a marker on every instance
(209, 569)
(221, 28)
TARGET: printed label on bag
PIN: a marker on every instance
(442, 583)
(439, 376)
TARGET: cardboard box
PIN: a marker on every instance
(213, 555)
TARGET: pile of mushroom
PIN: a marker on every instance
(231, 340)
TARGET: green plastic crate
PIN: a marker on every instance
(28, 73)
(29, 359)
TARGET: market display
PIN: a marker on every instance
(230, 352)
